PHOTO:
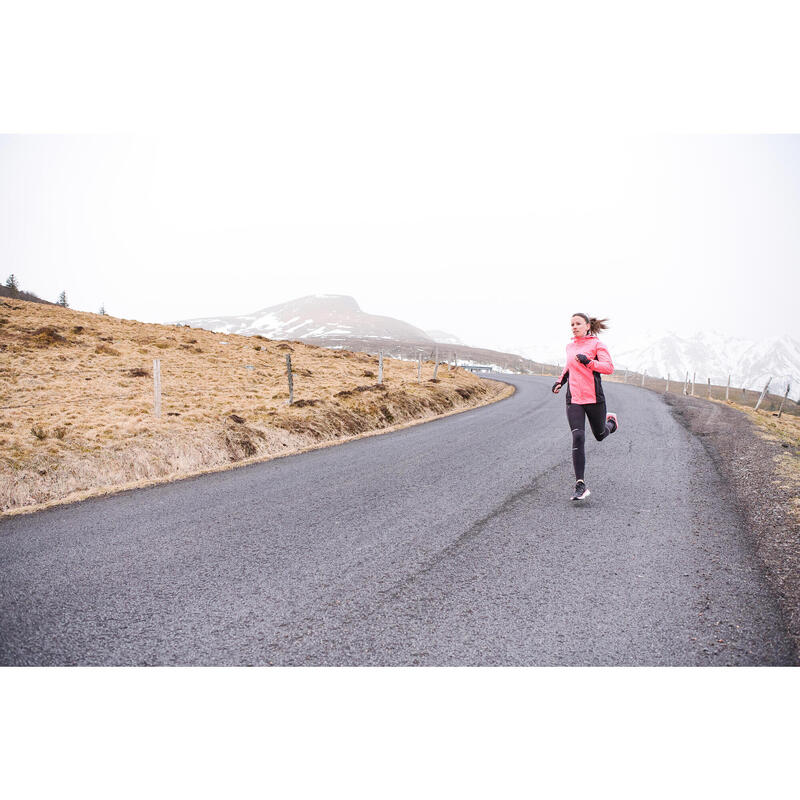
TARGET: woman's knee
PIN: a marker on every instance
(578, 437)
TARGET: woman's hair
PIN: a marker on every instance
(595, 325)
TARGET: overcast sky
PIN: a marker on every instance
(497, 240)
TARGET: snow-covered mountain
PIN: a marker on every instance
(319, 316)
(712, 355)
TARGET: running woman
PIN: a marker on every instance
(587, 358)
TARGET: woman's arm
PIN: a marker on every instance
(602, 362)
(560, 382)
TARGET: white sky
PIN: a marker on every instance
(413, 169)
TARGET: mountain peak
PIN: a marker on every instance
(331, 317)
(342, 302)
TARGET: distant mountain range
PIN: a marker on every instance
(337, 321)
(709, 354)
(321, 316)
(712, 355)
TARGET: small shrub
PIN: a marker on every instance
(304, 403)
(60, 432)
(367, 374)
(306, 373)
(105, 350)
(78, 329)
(162, 345)
(39, 432)
(137, 372)
(48, 335)
(285, 347)
(236, 418)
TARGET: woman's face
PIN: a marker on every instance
(580, 327)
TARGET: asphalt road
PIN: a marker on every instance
(450, 543)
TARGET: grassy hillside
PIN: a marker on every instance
(76, 393)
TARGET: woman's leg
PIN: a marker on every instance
(577, 424)
(597, 420)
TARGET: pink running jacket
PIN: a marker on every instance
(583, 382)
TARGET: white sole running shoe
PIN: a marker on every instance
(616, 421)
(581, 492)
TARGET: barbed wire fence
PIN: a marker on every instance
(151, 393)
(773, 396)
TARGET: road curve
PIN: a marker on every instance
(449, 543)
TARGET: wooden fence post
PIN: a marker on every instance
(436, 366)
(694, 378)
(709, 388)
(667, 389)
(644, 374)
(626, 377)
(728, 388)
(763, 393)
(380, 366)
(686, 384)
(289, 375)
(419, 367)
(780, 410)
(157, 387)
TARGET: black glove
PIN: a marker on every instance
(583, 359)
(555, 386)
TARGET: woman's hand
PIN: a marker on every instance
(556, 387)
(583, 359)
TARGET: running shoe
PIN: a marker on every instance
(581, 492)
(613, 418)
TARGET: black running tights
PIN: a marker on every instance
(576, 415)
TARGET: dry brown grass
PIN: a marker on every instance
(76, 394)
(786, 431)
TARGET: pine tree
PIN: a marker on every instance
(11, 283)
(62, 300)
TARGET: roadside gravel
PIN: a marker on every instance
(748, 462)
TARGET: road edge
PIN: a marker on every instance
(747, 462)
(90, 494)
